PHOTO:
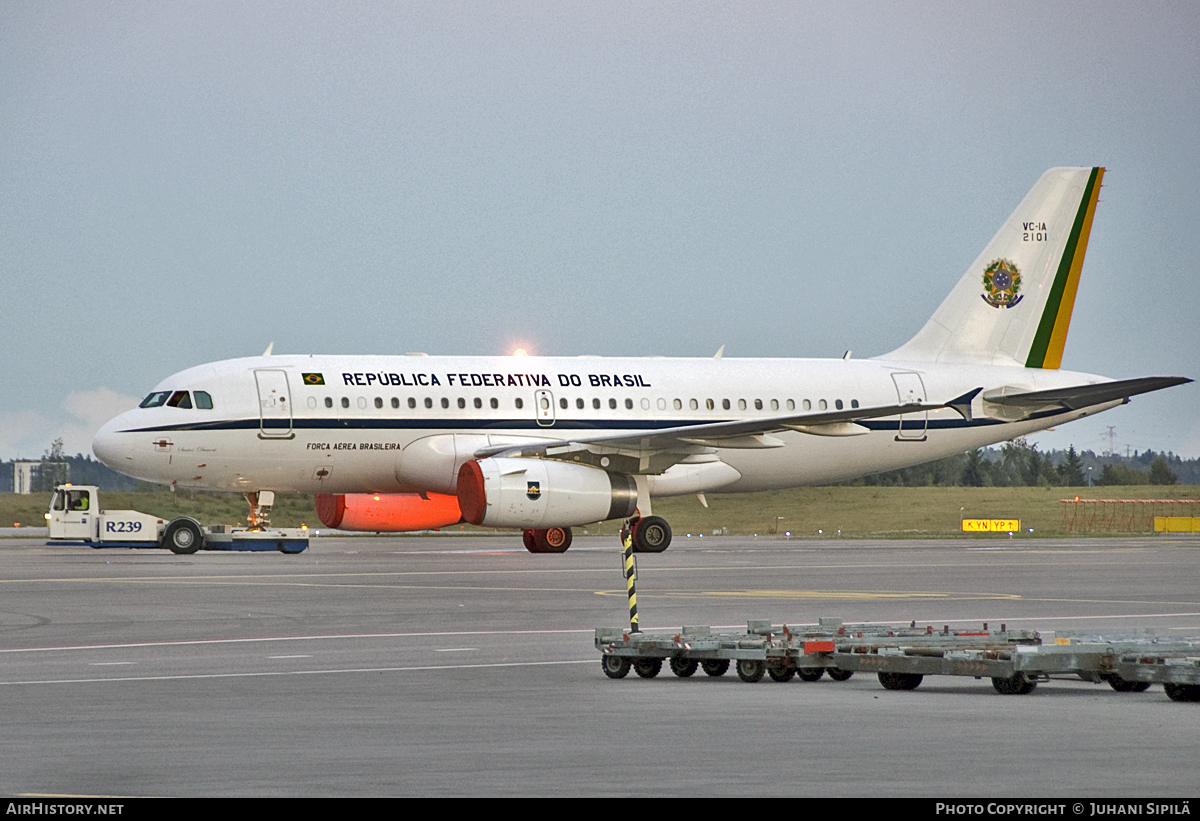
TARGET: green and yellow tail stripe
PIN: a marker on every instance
(1051, 338)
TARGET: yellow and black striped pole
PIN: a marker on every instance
(629, 567)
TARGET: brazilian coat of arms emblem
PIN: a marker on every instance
(1002, 284)
(533, 490)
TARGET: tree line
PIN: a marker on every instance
(1018, 464)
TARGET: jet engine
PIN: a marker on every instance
(540, 493)
(389, 512)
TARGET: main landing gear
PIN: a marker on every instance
(651, 534)
(550, 540)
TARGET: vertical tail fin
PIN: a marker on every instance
(1013, 305)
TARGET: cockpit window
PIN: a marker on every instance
(177, 399)
(155, 399)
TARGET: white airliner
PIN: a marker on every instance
(541, 444)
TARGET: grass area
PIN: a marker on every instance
(880, 512)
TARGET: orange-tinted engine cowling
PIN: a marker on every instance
(388, 512)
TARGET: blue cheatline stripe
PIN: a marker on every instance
(508, 425)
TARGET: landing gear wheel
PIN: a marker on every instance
(647, 668)
(781, 672)
(901, 681)
(183, 536)
(550, 540)
(715, 667)
(838, 674)
(1018, 684)
(684, 668)
(811, 675)
(1182, 692)
(651, 535)
(615, 666)
(554, 539)
(1124, 685)
(750, 670)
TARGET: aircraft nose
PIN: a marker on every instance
(107, 444)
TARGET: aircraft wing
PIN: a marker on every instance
(654, 450)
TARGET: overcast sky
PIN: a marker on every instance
(187, 182)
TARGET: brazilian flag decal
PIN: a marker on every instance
(313, 379)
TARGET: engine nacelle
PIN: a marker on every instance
(388, 512)
(537, 493)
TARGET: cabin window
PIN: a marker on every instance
(791, 404)
(693, 404)
(741, 404)
(329, 401)
(628, 404)
(362, 403)
(595, 404)
(579, 403)
(395, 402)
(807, 405)
(774, 404)
(823, 405)
(445, 402)
(708, 403)
(495, 403)
(612, 404)
(837, 403)
(520, 403)
(725, 404)
(758, 404)
(412, 401)
(428, 402)
(462, 403)
(378, 401)
(854, 403)
(345, 401)
(478, 402)
(562, 403)
(678, 404)
(203, 400)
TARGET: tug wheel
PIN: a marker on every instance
(1018, 684)
(647, 668)
(902, 681)
(684, 668)
(750, 670)
(183, 537)
(781, 672)
(615, 666)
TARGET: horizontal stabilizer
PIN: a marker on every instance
(1083, 396)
